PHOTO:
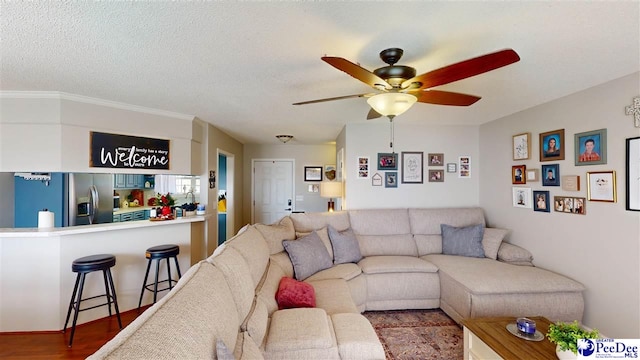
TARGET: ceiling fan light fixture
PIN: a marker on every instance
(284, 138)
(392, 104)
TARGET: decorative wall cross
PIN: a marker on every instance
(634, 110)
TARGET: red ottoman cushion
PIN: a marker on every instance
(295, 294)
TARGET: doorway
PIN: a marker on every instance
(273, 189)
(225, 198)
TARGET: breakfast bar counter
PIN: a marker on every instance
(36, 280)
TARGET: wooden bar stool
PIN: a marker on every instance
(158, 253)
(83, 266)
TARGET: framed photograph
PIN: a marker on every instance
(601, 186)
(591, 147)
(376, 180)
(571, 182)
(340, 164)
(412, 167)
(330, 172)
(313, 188)
(436, 159)
(569, 205)
(521, 197)
(552, 145)
(464, 166)
(436, 175)
(363, 167)
(387, 161)
(633, 174)
(521, 146)
(313, 173)
(533, 175)
(541, 201)
(551, 175)
(452, 167)
(391, 179)
(518, 173)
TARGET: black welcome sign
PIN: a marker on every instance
(122, 151)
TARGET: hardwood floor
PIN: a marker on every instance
(88, 338)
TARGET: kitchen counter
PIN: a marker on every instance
(36, 280)
(83, 229)
(130, 209)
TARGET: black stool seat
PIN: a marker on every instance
(162, 251)
(93, 263)
(84, 266)
(159, 253)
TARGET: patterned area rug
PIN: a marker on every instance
(417, 334)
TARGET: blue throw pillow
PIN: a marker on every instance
(462, 241)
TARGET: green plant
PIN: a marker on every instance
(566, 335)
(165, 200)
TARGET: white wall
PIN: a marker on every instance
(50, 132)
(371, 138)
(303, 155)
(600, 249)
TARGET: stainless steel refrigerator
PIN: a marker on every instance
(89, 199)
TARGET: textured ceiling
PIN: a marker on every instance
(240, 65)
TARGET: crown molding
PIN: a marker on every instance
(89, 100)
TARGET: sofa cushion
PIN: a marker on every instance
(300, 329)
(276, 232)
(307, 222)
(254, 249)
(427, 221)
(238, 277)
(295, 294)
(222, 352)
(269, 287)
(246, 349)
(334, 296)
(356, 338)
(401, 244)
(258, 321)
(308, 255)
(324, 236)
(462, 241)
(395, 264)
(345, 246)
(491, 240)
(380, 221)
(346, 272)
(514, 255)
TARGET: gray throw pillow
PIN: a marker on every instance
(462, 241)
(308, 255)
(345, 246)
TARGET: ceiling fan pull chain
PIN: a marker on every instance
(392, 135)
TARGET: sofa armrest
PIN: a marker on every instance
(514, 254)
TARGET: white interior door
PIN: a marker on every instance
(272, 190)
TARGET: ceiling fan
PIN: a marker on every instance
(400, 88)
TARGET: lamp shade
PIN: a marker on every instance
(330, 189)
(391, 104)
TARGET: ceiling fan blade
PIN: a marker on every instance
(373, 114)
(464, 69)
(357, 72)
(445, 98)
(333, 98)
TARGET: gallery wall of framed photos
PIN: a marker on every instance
(552, 187)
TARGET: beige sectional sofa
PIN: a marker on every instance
(225, 306)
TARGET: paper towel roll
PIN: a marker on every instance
(45, 219)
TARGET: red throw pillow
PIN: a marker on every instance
(295, 294)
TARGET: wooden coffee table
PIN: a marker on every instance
(488, 338)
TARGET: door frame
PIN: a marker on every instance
(253, 183)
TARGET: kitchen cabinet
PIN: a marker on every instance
(116, 217)
(130, 181)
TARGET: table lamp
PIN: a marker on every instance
(331, 189)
